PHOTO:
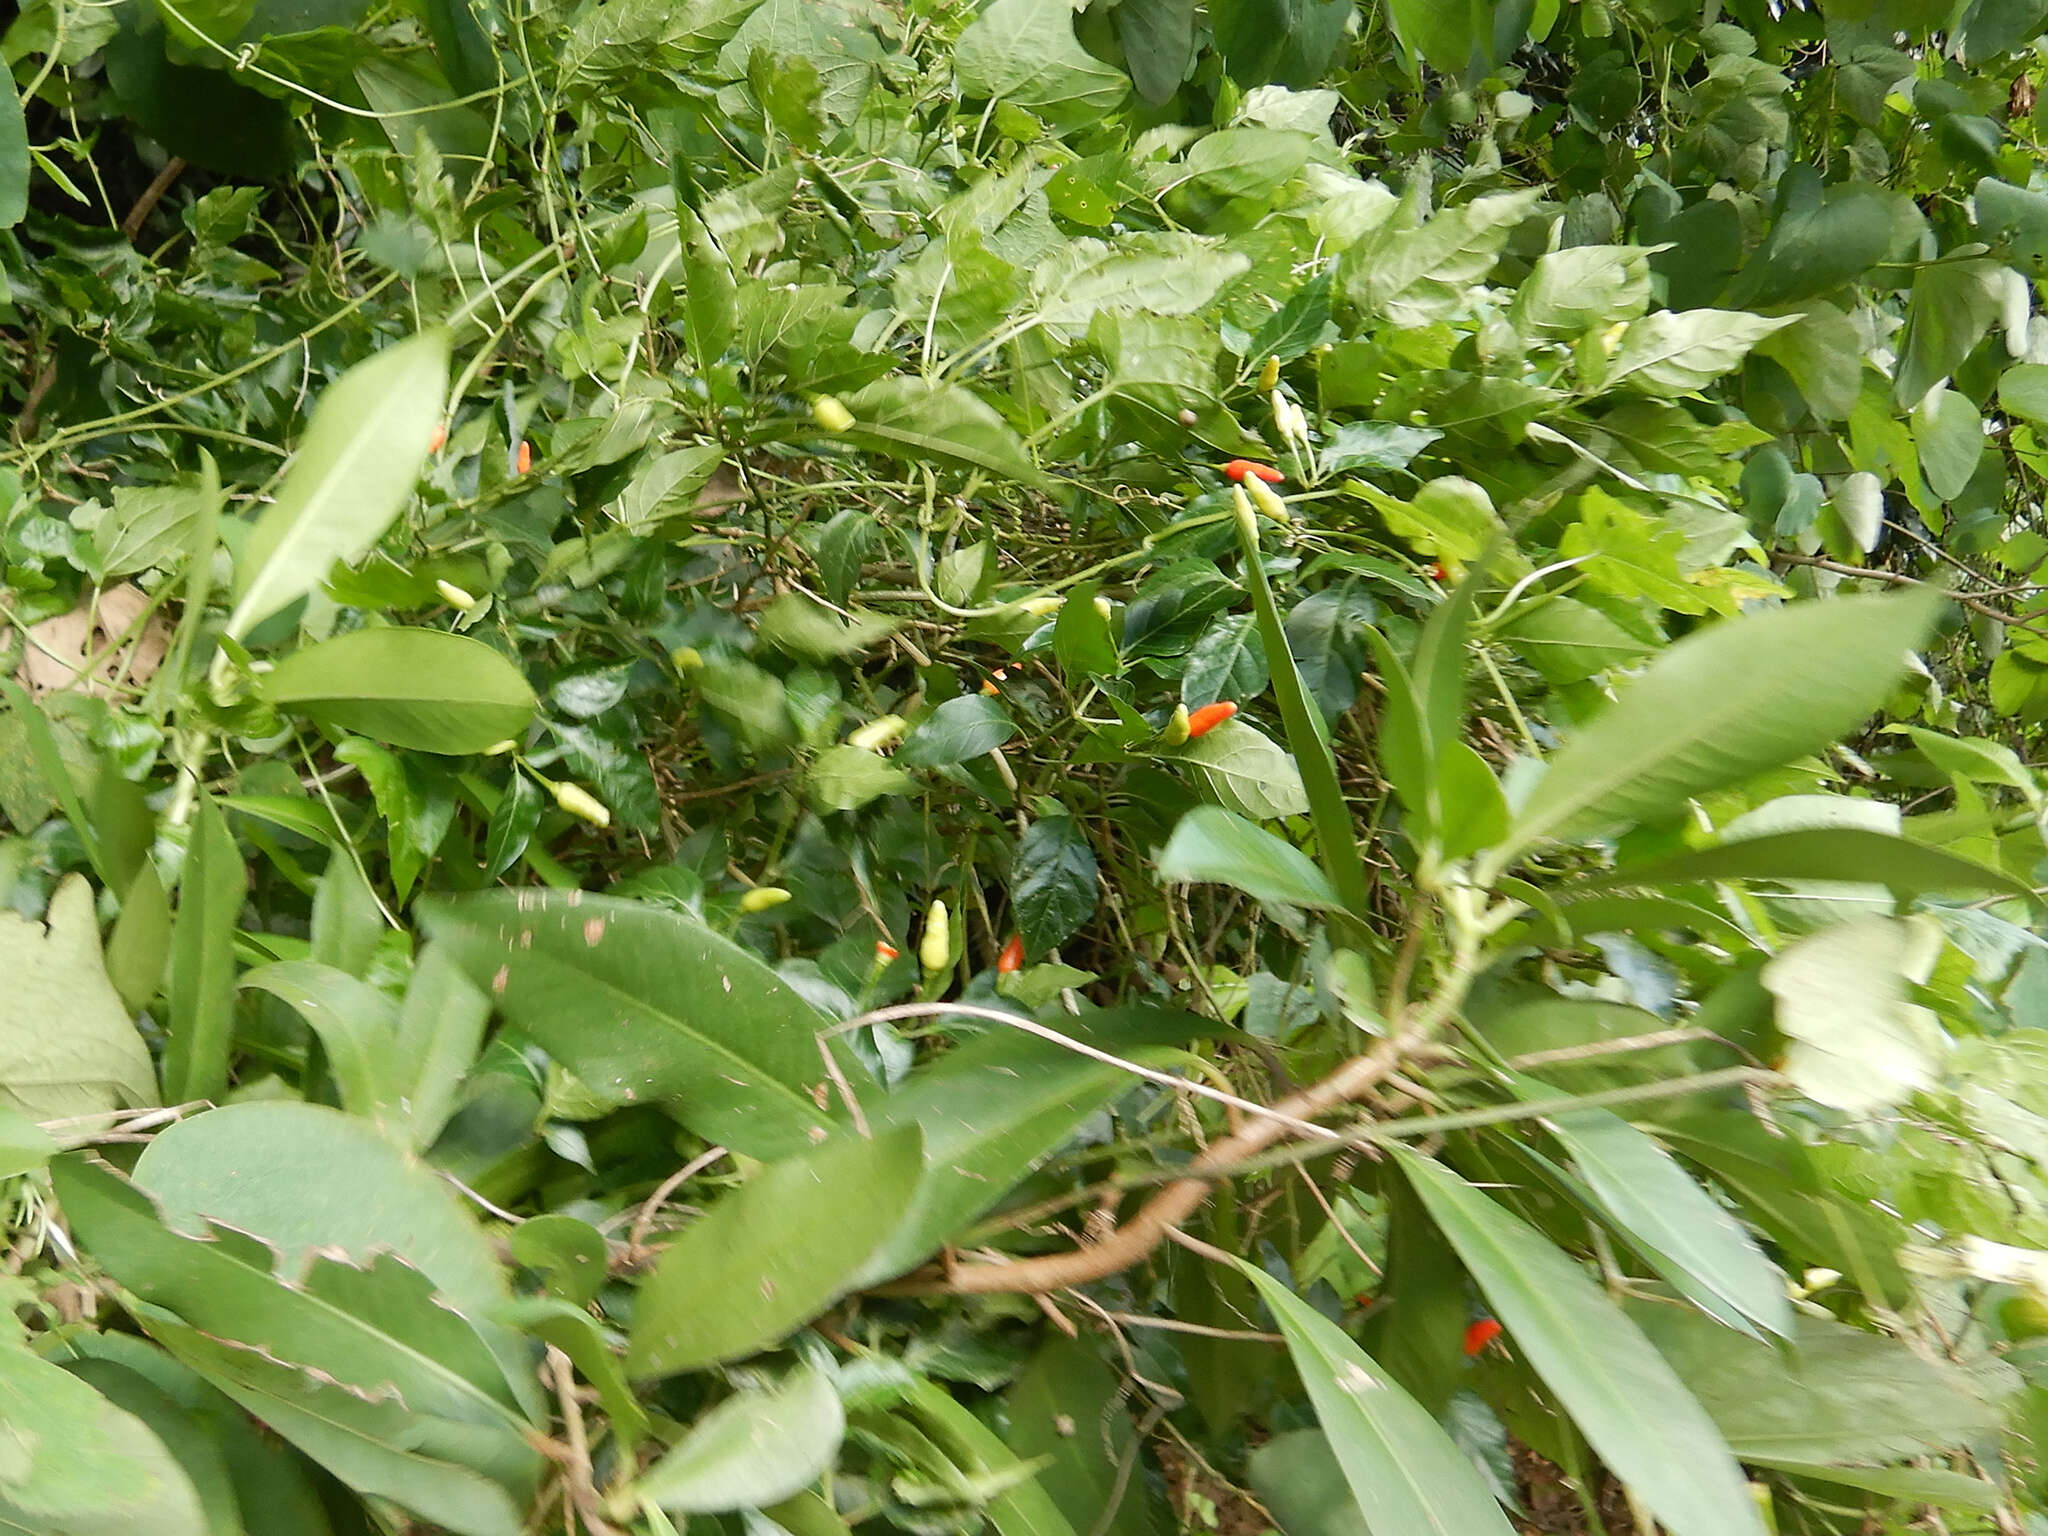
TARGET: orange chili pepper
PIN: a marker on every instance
(1437, 571)
(885, 952)
(1237, 469)
(1012, 957)
(440, 438)
(524, 461)
(1481, 1334)
(1208, 717)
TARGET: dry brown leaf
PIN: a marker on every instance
(59, 648)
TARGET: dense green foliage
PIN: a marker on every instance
(614, 916)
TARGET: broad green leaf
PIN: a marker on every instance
(1839, 1394)
(1022, 1508)
(1287, 42)
(73, 1464)
(732, 1284)
(1158, 38)
(24, 1145)
(2016, 214)
(1052, 879)
(758, 1447)
(355, 1023)
(193, 1447)
(423, 689)
(1858, 1043)
(1950, 436)
(1723, 704)
(1068, 1383)
(1247, 771)
(968, 726)
(1297, 1477)
(846, 777)
(69, 1052)
(1676, 353)
(1817, 243)
(347, 926)
(1404, 1472)
(939, 423)
(1413, 271)
(1656, 1205)
(569, 1254)
(647, 1005)
(1025, 51)
(1081, 637)
(1904, 867)
(1471, 809)
(1214, 846)
(989, 1109)
(1170, 273)
(350, 478)
(1630, 553)
(1952, 306)
(374, 1441)
(365, 1331)
(1245, 162)
(1568, 292)
(2023, 390)
(1637, 1414)
(1228, 662)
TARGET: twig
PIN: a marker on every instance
(576, 1464)
(1202, 1330)
(1899, 579)
(1067, 1042)
(668, 1186)
(152, 194)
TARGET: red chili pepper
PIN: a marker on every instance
(1437, 571)
(1237, 469)
(440, 438)
(1012, 957)
(524, 461)
(885, 952)
(1208, 717)
(1481, 1334)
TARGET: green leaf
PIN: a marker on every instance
(1858, 1043)
(1405, 1473)
(356, 1024)
(14, 163)
(1414, 272)
(1630, 553)
(758, 1447)
(1839, 1394)
(732, 1283)
(968, 726)
(1723, 704)
(1952, 306)
(423, 689)
(1025, 52)
(1817, 243)
(513, 822)
(1216, 846)
(803, 627)
(1950, 436)
(69, 1051)
(2006, 213)
(1287, 42)
(72, 1462)
(440, 1026)
(1904, 867)
(2023, 391)
(989, 1109)
(139, 948)
(1247, 771)
(1297, 1477)
(1022, 1508)
(24, 1145)
(1052, 880)
(1655, 1204)
(352, 475)
(1569, 292)
(1068, 1383)
(1158, 38)
(193, 1445)
(616, 991)
(1081, 638)
(911, 419)
(1472, 810)
(846, 777)
(1169, 273)
(1676, 353)
(1914, 1485)
(1228, 662)
(1649, 1430)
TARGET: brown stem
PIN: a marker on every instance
(1164, 1212)
(151, 196)
(1898, 579)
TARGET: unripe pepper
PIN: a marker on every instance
(877, 733)
(935, 945)
(762, 897)
(454, 596)
(1012, 957)
(1272, 506)
(1208, 717)
(829, 413)
(1269, 376)
(580, 802)
(1179, 726)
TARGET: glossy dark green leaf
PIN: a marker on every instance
(649, 1005)
(513, 822)
(1158, 38)
(1052, 880)
(732, 1284)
